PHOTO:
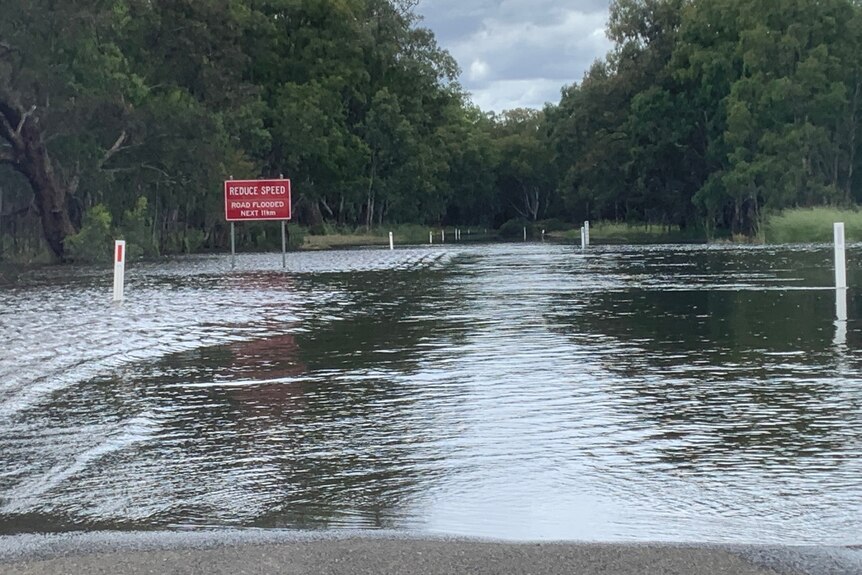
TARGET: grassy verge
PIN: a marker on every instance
(404, 234)
(811, 225)
(623, 233)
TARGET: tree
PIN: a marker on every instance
(62, 87)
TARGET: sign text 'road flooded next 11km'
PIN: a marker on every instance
(249, 200)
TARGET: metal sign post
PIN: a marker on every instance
(232, 247)
(283, 244)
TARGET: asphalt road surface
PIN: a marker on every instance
(262, 552)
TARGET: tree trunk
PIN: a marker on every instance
(28, 155)
(848, 197)
(369, 214)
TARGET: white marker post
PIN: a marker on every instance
(430, 237)
(583, 239)
(119, 269)
(391, 242)
(840, 262)
(840, 273)
(587, 233)
(442, 236)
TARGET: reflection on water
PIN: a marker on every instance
(518, 391)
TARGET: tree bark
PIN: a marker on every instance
(27, 153)
(848, 189)
(369, 214)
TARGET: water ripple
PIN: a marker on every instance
(524, 391)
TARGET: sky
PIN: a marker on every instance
(518, 53)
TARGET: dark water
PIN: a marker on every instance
(513, 391)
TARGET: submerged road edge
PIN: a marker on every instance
(385, 552)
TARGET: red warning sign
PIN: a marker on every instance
(251, 200)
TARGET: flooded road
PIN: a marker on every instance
(521, 391)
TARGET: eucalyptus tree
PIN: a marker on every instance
(65, 95)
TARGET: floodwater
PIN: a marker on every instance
(516, 391)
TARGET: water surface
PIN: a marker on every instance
(520, 391)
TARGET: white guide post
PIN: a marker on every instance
(442, 236)
(841, 305)
(525, 233)
(430, 237)
(587, 233)
(391, 242)
(119, 269)
(840, 262)
(583, 238)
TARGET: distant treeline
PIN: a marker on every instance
(125, 116)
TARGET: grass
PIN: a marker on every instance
(624, 233)
(811, 225)
(404, 234)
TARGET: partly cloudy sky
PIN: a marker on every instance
(519, 53)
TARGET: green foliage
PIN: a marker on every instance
(193, 240)
(95, 241)
(809, 225)
(137, 230)
(266, 236)
(704, 117)
(514, 229)
(553, 225)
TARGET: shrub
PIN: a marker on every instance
(137, 230)
(193, 240)
(94, 242)
(552, 225)
(514, 229)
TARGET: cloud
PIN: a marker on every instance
(478, 71)
(519, 52)
(501, 95)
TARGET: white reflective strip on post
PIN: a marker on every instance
(119, 269)
(840, 263)
(391, 242)
(587, 233)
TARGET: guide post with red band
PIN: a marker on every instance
(119, 269)
(254, 200)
